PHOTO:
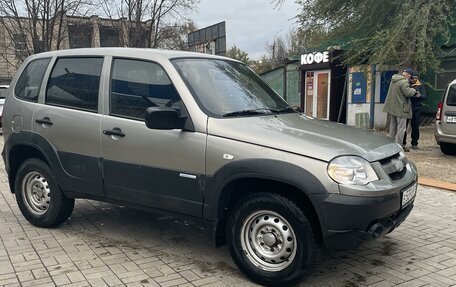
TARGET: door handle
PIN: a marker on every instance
(114, 132)
(45, 121)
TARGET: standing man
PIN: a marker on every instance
(398, 105)
(416, 110)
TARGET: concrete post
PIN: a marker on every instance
(95, 31)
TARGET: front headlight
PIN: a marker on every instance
(351, 170)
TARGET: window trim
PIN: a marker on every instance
(111, 73)
(99, 84)
(41, 82)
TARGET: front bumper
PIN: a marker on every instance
(352, 220)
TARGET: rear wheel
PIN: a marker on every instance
(271, 239)
(448, 149)
(38, 195)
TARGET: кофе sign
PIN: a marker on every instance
(315, 58)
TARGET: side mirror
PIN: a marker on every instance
(159, 118)
(296, 109)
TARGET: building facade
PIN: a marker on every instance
(74, 32)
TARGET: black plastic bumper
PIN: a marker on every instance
(350, 221)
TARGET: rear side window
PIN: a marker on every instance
(451, 99)
(137, 85)
(29, 83)
(74, 83)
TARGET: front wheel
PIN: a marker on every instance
(38, 195)
(271, 239)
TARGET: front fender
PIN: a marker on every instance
(215, 199)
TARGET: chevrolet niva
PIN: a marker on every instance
(200, 136)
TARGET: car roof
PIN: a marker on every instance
(132, 52)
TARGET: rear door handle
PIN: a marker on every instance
(114, 132)
(45, 121)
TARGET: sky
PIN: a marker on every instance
(250, 24)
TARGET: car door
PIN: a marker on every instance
(157, 168)
(68, 118)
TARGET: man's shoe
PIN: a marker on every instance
(414, 147)
(406, 149)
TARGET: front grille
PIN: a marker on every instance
(394, 166)
(398, 175)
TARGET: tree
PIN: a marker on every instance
(262, 65)
(175, 37)
(277, 52)
(151, 23)
(277, 55)
(387, 33)
(238, 54)
(35, 26)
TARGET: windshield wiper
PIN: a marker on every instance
(260, 111)
(289, 109)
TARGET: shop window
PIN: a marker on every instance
(80, 35)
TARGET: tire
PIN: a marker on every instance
(448, 149)
(38, 195)
(283, 249)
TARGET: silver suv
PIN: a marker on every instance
(445, 132)
(200, 136)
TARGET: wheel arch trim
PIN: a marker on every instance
(217, 196)
(31, 140)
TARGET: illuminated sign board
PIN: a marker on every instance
(315, 58)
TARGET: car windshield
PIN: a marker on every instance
(227, 88)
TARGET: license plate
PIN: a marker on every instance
(408, 194)
(451, 119)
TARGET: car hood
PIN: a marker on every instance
(300, 134)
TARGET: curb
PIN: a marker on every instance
(437, 183)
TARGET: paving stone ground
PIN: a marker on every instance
(109, 245)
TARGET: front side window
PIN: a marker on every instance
(29, 83)
(74, 83)
(137, 85)
(226, 88)
(451, 99)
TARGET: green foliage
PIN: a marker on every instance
(387, 33)
(238, 54)
(264, 64)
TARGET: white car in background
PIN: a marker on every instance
(3, 90)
